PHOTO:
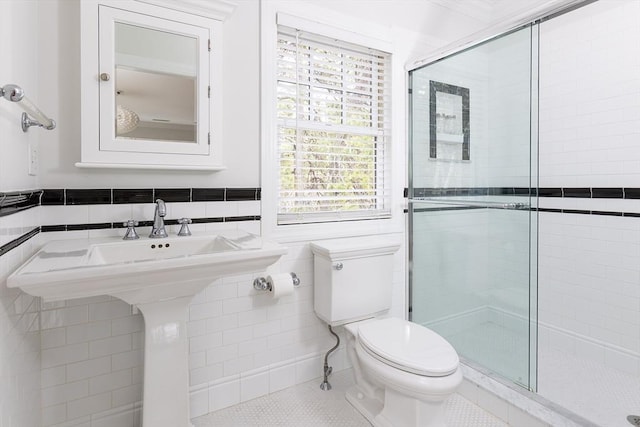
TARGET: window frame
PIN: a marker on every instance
(311, 120)
(306, 17)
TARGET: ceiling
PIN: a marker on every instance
(446, 20)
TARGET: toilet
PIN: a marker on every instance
(403, 371)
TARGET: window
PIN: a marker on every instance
(334, 134)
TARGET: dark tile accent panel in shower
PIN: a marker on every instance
(207, 194)
(52, 197)
(127, 195)
(16, 201)
(241, 194)
(172, 194)
(584, 193)
(95, 196)
(17, 242)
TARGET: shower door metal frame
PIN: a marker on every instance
(531, 205)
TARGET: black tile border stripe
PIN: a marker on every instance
(588, 212)
(545, 210)
(111, 225)
(16, 201)
(17, 242)
(559, 192)
(114, 225)
(84, 196)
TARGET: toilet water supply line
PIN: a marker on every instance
(328, 369)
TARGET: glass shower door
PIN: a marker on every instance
(473, 232)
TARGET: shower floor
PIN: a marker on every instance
(503, 350)
(307, 405)
(597, 393)
(600, 394)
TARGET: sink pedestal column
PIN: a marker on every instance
(166, 363)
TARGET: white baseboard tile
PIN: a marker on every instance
(587, 348)
(224, 392)
(308, 368)
(281, 376)
(238, 388)
(199, 400)
(124, 416)
(254, 383)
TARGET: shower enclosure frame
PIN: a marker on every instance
(531, 21)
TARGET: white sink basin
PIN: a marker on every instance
(151, 249)
(140, 271)
(159, 276)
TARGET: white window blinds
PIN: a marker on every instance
(333, 111)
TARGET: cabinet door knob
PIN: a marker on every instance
(105, 77)
(338, 266)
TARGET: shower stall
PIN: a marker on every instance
(473, 276)
(515, 256)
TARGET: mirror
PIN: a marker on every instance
(151, 85)
(155, 84)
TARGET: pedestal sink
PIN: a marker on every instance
(160, 277)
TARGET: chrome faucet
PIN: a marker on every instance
(158, 230)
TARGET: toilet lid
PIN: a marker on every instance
(409, 347)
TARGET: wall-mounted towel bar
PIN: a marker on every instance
(14, 93)
(474, 203)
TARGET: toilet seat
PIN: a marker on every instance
(408, 346)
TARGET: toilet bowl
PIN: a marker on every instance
(404, 372)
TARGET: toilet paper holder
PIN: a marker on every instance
(262, 284)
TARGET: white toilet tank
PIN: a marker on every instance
(353, 277)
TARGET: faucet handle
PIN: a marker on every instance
(184, 227)
(131, 233)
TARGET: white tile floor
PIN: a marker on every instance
(592, 390)
(306, 405)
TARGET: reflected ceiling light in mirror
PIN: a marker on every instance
(126, 120)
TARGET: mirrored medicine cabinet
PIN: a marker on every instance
(150, 81)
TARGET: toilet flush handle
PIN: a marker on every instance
(338, 266)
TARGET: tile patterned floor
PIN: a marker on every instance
(306, 405)
(598, 393)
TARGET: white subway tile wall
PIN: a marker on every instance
(589, 274)
(243, 344)
(19, 330)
